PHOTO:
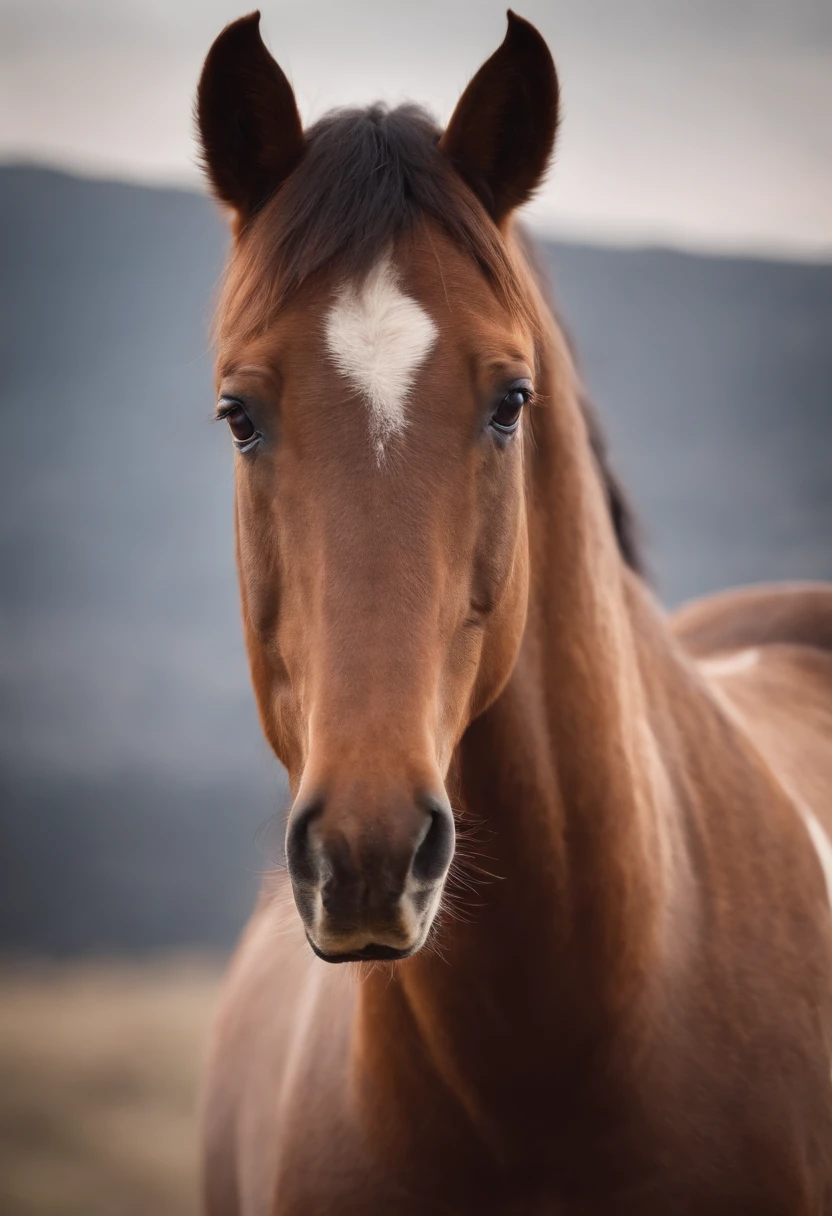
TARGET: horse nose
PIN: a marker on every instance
(367, 873)
(300, 853)
(434, 851)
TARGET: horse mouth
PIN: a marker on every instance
(371, 953)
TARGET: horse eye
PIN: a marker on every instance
(507, 414)
(240, 424)
(243, 431)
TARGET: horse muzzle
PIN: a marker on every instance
(368, 875)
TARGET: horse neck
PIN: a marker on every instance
(562, 784)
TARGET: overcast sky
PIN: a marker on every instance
(704, 123)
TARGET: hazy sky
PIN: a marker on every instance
(706, 123)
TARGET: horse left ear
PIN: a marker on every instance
(249, 126)
(502, 132)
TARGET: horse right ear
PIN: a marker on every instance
(502, 132)
(249, 127)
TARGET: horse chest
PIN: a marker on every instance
(755, 1170)
(690, 1193)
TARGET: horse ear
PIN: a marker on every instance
(502, 132)
(249, 127)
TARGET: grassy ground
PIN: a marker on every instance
(99, 1066)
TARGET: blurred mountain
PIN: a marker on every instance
(139, 803)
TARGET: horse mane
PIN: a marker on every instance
(368, 177)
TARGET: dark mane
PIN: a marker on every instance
(368, 177)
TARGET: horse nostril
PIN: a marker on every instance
(299, 853)
(433, 856)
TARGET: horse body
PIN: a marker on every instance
(625, 1003)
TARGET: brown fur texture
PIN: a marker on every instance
(624, 1004)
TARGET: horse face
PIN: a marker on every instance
(381, 539)
(379, 419)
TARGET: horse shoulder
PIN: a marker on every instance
(781, 695)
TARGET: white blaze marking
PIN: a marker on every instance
(378, 337)
(730, 664)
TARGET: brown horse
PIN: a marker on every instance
(586, 843)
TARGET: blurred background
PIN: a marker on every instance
(688, 223)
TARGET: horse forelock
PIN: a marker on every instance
(369, 178)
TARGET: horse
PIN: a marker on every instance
(554, 930)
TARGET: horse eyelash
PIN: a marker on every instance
(221, 412)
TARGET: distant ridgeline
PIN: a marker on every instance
(135, 785)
